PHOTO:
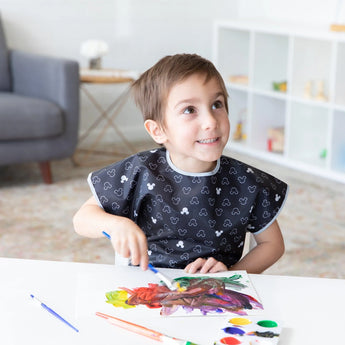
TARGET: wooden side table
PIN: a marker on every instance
(106, 116)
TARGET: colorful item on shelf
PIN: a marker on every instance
(275, 140)
(239, 79)
(280, 86)
(323, 153)
(337, 27)
(319, 85)
(320, 91)
(307, 90)
(239, 133)
(338, 24)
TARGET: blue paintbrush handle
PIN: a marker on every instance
(54, 313)
(153, 269)
(106, 235)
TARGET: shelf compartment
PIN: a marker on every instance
(311, 64)
(338, 142)
(309, 134)
(238, 115)
(340, 75)
(233, 54)
(268, 113)
(270, 60)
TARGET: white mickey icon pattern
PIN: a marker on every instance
(185, 211)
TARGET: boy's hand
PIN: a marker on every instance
(129, 240)
(210, 265)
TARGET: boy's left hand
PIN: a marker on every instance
(210, 265)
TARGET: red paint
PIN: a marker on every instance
(230, 341)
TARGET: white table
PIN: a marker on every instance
(312, 309)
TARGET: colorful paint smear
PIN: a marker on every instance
(118, 299)
(234, 281)
(208, 295)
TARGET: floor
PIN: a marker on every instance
(36, 219)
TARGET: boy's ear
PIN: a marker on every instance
(155, 131)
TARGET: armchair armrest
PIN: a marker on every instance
(45, 77)
(49, 78)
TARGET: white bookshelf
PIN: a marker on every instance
(314, 129)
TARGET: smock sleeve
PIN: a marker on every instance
(269, 201)
(113, 187)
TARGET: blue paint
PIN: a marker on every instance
(234, 330)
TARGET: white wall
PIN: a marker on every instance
(138, 32)
(314, 12)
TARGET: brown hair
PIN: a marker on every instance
(152, 88)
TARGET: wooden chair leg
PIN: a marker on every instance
(46, 172)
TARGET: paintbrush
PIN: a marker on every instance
(170, 283)
(54, 313)
(129, 326)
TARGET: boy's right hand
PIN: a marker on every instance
(127, 238)
(130, 241)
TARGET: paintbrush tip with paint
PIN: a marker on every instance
(170, 283)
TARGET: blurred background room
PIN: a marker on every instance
(284, 65)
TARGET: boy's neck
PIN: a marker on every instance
(209, 168)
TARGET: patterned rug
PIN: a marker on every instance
(36, 219)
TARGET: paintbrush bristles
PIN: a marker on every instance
(170, 283)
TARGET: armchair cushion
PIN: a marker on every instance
(28, 118)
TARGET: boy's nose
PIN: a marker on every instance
(209, 121)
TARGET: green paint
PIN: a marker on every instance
(267, 323)
(233, 280)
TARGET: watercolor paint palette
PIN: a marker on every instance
(214, 294)
(251, 330)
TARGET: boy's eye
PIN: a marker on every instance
(217, 105)
(189, 110)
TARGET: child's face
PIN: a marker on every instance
(196, 124)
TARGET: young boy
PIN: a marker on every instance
(184, 205)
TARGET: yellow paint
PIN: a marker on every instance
(240, 321)
(118, 298)
(179, 288)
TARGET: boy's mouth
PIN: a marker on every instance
(208, 141)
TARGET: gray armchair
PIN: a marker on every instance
(39, 108)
